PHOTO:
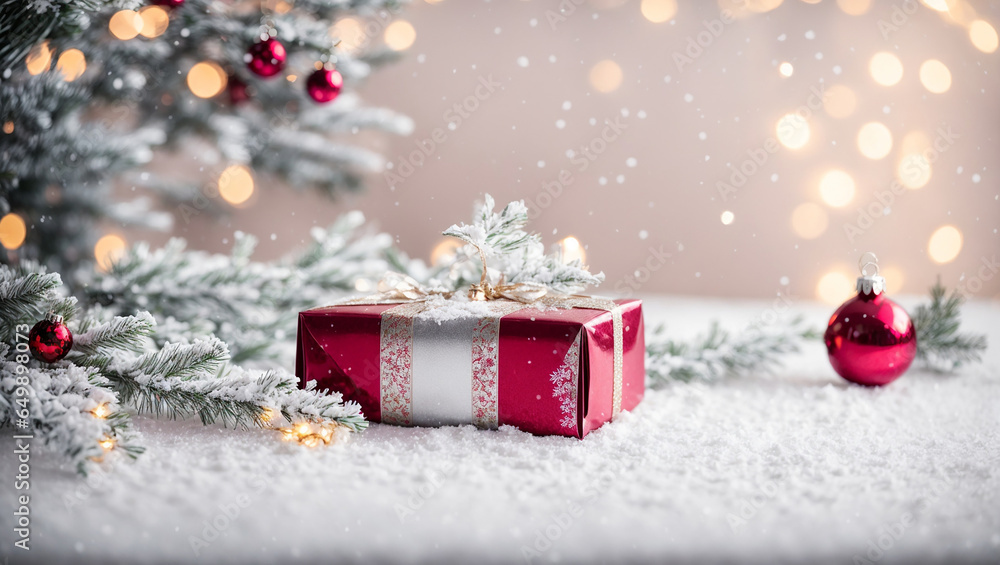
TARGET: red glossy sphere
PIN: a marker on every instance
(238, 91)
(50, 341)
(266, 58)
(324, 85)
(870, 340)
(168, 3)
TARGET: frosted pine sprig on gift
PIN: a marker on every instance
(939, 345)
(719, 353)
(500, 239)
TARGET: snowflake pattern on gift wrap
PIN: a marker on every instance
(396, 363)
(565, 381)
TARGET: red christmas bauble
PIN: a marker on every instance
(238, 93)
(50, 340)
(324, 85)
(168, 3)
(870, 339)
(266, 58)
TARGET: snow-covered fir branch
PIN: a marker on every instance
(719, 353)
(511, 251)
(252, 306)
(71, 138)
(77, 406)
(940, 346)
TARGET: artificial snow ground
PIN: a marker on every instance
(795, 466)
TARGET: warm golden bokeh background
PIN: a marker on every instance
(822, 105)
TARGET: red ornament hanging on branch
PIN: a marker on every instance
(870, 339)
(323, 85)
(50, 339)
(266, 58)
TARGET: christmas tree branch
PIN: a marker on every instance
(719, 353)
(939, 344)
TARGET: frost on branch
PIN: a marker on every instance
(516, 254)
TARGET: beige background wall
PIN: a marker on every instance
(655, 185)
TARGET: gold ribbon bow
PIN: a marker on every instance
(523, 292)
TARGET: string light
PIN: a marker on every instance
(983, 36)
(839, 101)
(658, 11)
(874, 140)
(809, 220)
(108, 443)
(206, 79)
(39, 59)
(886, 68)
(944, 244)
(236, 185)
(606, 76)
(836, 188)
(125, 24)
(101, 411)
(793, 131)
(935, 76)
(572, 250)
(154, 21)
(446, 251)
(107, 250)
(400, 35)
(12, 231)
(311, 434)
(72, 63)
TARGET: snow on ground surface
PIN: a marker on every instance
(796, 466)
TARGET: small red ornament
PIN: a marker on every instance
(50, 340)
(168, 3)
(324, 85)
(238, 92)
(870, 339)
(266, 58)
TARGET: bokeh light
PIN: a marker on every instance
(12, 231)
(836, 188)
(894, 279)
(983, 36)
(108, 249)
(839, 101)
(351, 34)
(835, 287)
(935, 76)
(206, 79)
(886, 68)
(236, 184)
(945, 244)
(572, 250)
(155, 20)
(658, 11)
(445, 251)
(809, 220)
(400, 35)
(939, 5)
(854, 7)
(39, 59)
(786, 69)
(792, 131)
(606, 76)
(874, 140)
(914, 170)
(125, 24)
(727, 217)
(71, 64)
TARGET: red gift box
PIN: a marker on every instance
(545, 370)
